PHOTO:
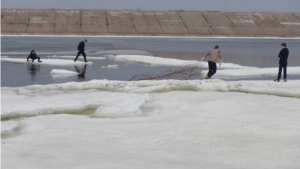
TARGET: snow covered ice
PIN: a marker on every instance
(152, 124)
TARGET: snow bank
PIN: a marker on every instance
(180, 129)
(7, 127)
(130, 107)
(45, 61)
(158, 61)
(111, 66)
(61, 72)
(73, 57)
(253, 72)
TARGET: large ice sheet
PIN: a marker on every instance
(46, 61)
(158, 61)
(180, 129)
(77, 96)
(253, 72)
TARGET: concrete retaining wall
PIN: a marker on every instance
(148, 23)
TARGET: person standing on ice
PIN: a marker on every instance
(283, 57)
(80, 50)
(213, 58)
(32, 55)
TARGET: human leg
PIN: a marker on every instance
(84, 56)
(39, 59)
(279, 72)
(78, 53)
(212, 69)
(209, 70)
(284, 71)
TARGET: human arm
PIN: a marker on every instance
(207, 54)
(29, 56)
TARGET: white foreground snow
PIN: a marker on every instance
(45, 61)
(253, 72)
(61, 72)
(158, 61)
(178, 129)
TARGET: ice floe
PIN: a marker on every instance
(111, 66)
(61, 72)
(158, 61)
(46, 61)
(253, 72)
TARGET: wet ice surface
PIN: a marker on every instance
(237, 120)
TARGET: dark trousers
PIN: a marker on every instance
(83, 54)
(280, 71)
(38, 58)
(212, 66)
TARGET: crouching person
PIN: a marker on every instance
(32, 55)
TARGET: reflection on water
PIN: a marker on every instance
(81, 72)
(32, 70)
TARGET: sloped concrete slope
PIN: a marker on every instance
(148, 23)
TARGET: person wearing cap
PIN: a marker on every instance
(32, 55)
(283, 57)
(80, 50)
(213, 58)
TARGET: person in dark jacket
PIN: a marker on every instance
(81, 50)
(32, 55)
(283, 57)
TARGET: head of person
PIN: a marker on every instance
(32, 51)
(216, 47)
(85, 41)
(283, 45)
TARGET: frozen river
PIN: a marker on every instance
(61, 114)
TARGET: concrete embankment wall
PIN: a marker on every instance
(148, 23)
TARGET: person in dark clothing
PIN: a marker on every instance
(81, 50)
(32, 55)
(283, 57)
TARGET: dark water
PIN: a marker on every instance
(247, 52)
